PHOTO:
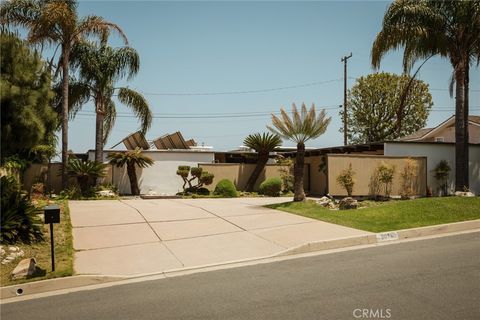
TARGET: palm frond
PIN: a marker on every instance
(109, 121)
(304, 126)
(139, 106)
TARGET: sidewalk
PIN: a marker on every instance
(132, 237)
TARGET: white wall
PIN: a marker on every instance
(435, 153)
(162, 177)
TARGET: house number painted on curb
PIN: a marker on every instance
(387, 236)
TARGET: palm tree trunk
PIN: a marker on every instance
(298, 173)
(65, 60)
(99, 136)
(262, 161)
(132, 175)
(99, 133)
(461, 129)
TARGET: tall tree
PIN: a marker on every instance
(263, 144)
(447, 28)
(100, 67)
(27, 117)
(131, 159)
(300, 128)
(56, 22)
(375, 112)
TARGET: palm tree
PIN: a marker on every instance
(447, 28)
(300, 128)
(100, 67)
(132, 159)
(263, 144)
(55, 22)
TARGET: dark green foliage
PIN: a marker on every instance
(27, 116)
(19, 222)
(271, 187)
(226, 188)
(374, 112)
(203, 191)
(204, 178)
(85, 172)
(441, 173)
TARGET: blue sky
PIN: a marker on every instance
(207, 47)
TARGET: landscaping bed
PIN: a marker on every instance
(391, 215)
(41, 250)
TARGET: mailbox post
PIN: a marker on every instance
(52, 215)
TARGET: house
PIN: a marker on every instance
(445, 132)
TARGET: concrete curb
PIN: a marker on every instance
(57, 284)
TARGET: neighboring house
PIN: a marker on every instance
(445, 132)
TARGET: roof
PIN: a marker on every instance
(417, 135)
(423, 133)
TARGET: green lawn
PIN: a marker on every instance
(41, 251)
(392, 215)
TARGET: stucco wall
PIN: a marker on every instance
(435, 152)
(162, 177)
(318, 179)
(364, 167)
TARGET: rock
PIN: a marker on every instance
(2, 252)
(106, 193)
(25, 268)
(348, 203)
(464, 194)
(13, 249)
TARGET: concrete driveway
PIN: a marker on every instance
(129, 237)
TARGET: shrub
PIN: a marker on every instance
(204, 178)
(203, 191)
(18, 219)
(286, 173)
(441, 173)
(225, 188)
(409, 178)
(385, 176)
(346, 181)
(85, 172)
(271, 187)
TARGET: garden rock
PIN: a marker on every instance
(106, 193)
(25, 268)
(464, 194)
(348, 203)
(326, 202)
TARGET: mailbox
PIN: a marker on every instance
(52, 214)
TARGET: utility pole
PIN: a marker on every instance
(344, 60)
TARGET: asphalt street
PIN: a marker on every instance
(426, 279)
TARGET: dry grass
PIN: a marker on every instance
(41, 251)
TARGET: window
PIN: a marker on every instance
(439, 139)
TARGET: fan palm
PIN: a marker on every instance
(263, 144)
(450, 29)
(100, 67)
(55, 22)
(132, 159)
(300, 128)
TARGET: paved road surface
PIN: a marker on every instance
(428, 279)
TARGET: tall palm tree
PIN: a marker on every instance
(300, 128)
(132, 159)
(263, 144)
(450, 29)
(100, 67)
(55, 22)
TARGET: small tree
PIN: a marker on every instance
(204, 178)
(86, 172)
(346, 181)
(385, 176)
(286, 172)
(409, 178)
(131, 159)
(442, 173)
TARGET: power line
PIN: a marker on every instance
(316, 83)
